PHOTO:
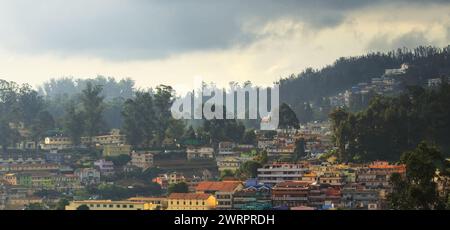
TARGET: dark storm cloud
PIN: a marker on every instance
(137, 29)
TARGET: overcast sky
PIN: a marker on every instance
(173, 41)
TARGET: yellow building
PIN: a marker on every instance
(109, 205)
(191, 201)
(152, 203)
(57, 142)
(111, 150)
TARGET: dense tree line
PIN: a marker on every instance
(22, 109)
(60, 93)
(425, 167)
(314, 86)
(393, 125)
(68, 87)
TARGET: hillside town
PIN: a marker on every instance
(155, 163)
(210, 175)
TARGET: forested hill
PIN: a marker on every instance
(312, 85)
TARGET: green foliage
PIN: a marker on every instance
(41, 124)
(249, 137)
(223, 129)
(116, 192)
(147, 118)
(249, 169)
(83, 207)
(262, 157)
(270, 134)
(62, 203)
(304, 113)
(418, 189)
(175, 130)
(74, 124)
(21, 107)
(120, 160)
(178, 188)
(163, 99)
(150, 173)
(391, 126)
(315, 85)
(35, 206)
(139, 119)
(92, 104)
(226, 174)
(299, 150)
(288, 119)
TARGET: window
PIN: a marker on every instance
(131, 206)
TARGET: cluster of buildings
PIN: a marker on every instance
(436, 82)
(295, 186)
(305, 184)
(25, 174)
(112, 144)
(364, 91)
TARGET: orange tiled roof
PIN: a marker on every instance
(222, 186)
(189, 196)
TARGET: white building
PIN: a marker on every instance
(280, 172)
(199, 153)
(88, 175)
(105, 167)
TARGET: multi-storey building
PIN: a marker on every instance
(57, 142)
(28, 167)
(228, 164)
(378, 173)
(141, 160)
(290, 194)
(280, 172)
(199, 153)
(21, 159)
(111, 150)
(321, 195)
(191, 201)
(106, 167)
(110, 205)
(164, 180)
(222, 190)
(335, 178)
(153, 203)
(254, 196)
(88, 176)
(356, 196)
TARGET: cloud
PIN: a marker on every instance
(171, 42)
(151, 29)
(410, 39)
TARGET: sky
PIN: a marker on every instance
(173, 42)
